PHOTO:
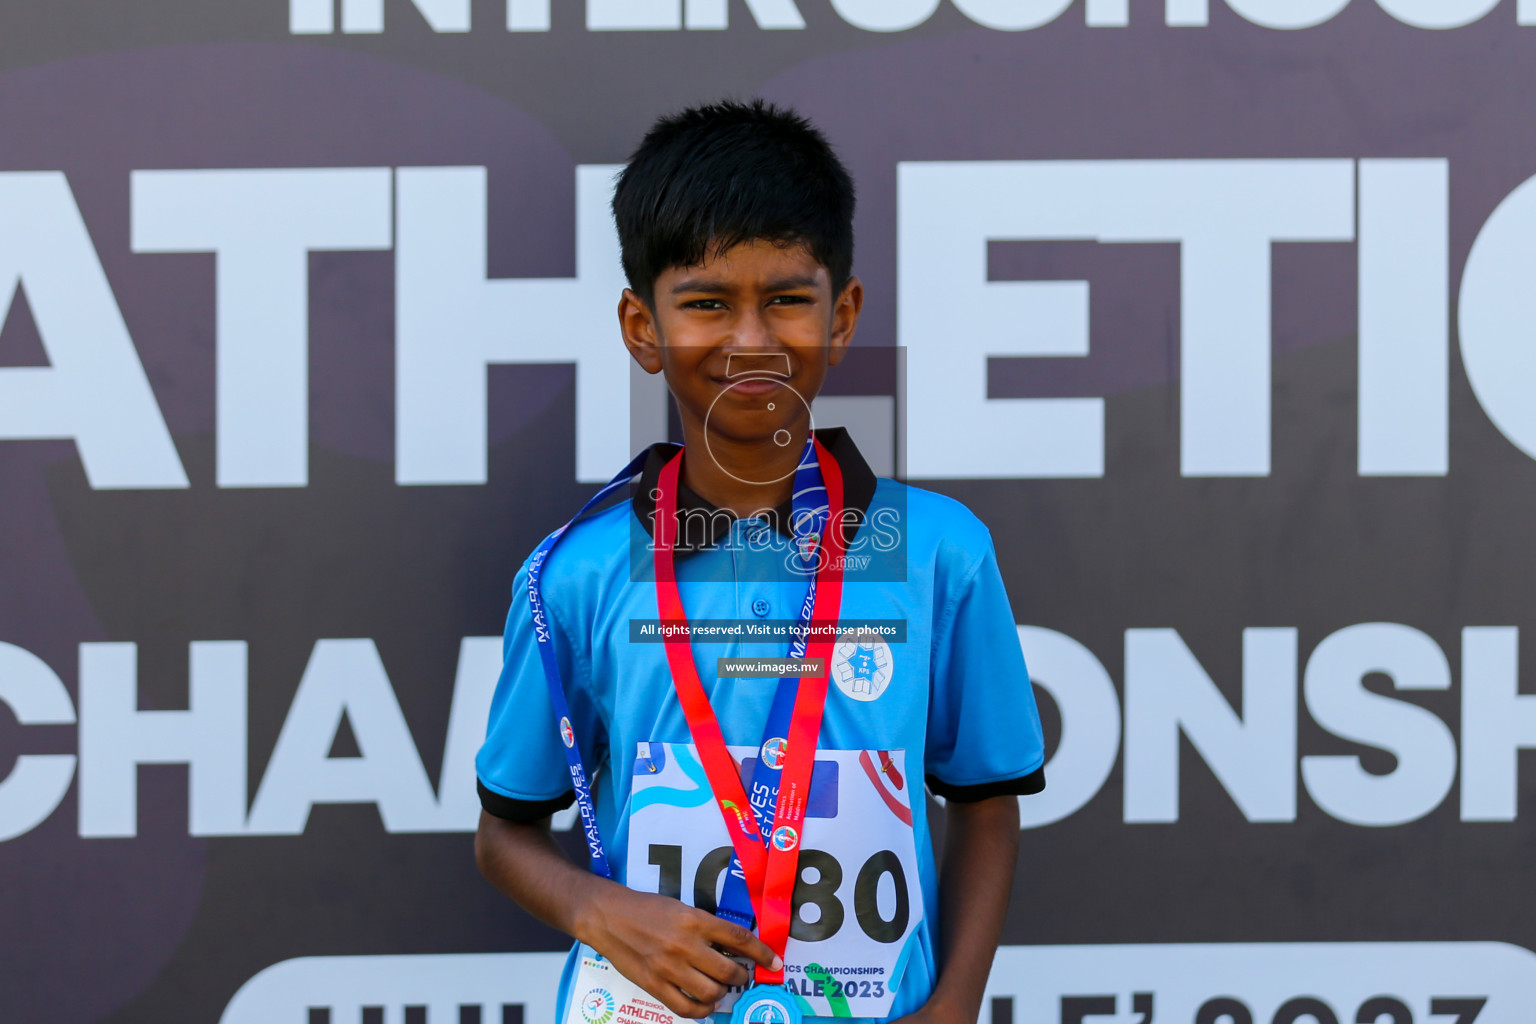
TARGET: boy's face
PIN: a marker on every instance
(745, 338)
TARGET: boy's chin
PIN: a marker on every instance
(756, 426)
(754, 432)
(774, 437)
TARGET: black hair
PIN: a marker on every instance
(709, 178)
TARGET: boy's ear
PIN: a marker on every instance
(845, 319)
(638, 325)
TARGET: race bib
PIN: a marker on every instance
(601, 995)
(858, 900)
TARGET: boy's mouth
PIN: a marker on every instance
(753, 385)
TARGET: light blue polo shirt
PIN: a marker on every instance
(958, 698)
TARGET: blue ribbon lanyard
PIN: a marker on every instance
(807, 519)
(552, 677)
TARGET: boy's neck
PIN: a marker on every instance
(722, 472)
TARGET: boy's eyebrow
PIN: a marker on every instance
(787, 284)
(700, 284)
(708, 286)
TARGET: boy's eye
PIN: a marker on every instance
(789, 300)
(708, 304)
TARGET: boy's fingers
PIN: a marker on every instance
(703, 988)
(725, 970)
(683, 1004)
(738, 940)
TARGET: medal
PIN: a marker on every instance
(767, 1004)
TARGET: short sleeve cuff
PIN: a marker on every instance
(521, 812)
(1023, 785)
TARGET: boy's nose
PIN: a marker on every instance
(752, 332)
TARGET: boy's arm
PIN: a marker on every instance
(985, 749)
(661, 944)
(664, 946)
(981, 846)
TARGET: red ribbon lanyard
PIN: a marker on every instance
(770, 868)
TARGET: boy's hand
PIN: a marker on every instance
(669, 949)
(675, 952)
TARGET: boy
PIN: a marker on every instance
(735, 223)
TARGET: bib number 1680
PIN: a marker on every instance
(819, 890)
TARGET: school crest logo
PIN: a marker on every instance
(567, 734)
(785, 838)
(862, 665)
(597, 1006)
(773, 752)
